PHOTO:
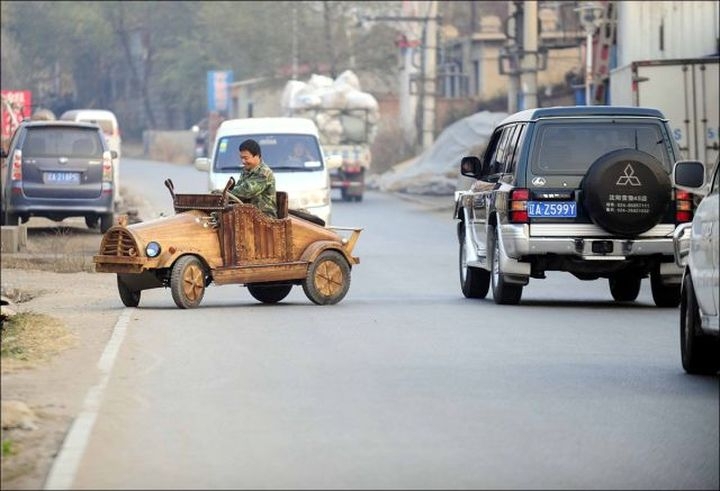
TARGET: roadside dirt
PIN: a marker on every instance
(74, 311)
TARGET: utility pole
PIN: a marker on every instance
(294, 49)
(429, 77)
(512, 48)
(416, 77)
(528, 77)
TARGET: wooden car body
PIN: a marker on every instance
(211, 239)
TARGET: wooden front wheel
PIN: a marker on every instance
(187, 282)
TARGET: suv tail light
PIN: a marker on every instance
(16, 173)
(518, 205)
(107, 170)
(683, 206)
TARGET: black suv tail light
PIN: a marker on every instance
(683, 206)
(518, 205)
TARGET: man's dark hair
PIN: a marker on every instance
(251, 146)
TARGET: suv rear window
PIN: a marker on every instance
(67, 142)
(570, 148)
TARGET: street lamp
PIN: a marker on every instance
(591, 18)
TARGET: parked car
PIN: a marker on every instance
(581, 189)
(58, 169)
(217, 238)
(697, 247)
(108, 123)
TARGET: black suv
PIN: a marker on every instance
(582, 189)
(58, 169)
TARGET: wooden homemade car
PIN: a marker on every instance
(216, 238)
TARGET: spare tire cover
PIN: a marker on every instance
(626, 192)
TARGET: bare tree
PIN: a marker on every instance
(118, 20)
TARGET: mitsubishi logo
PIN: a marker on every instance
(629, 178)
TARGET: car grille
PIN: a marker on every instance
(119, 243)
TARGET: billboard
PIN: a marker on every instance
(16, 106)
(218, 90)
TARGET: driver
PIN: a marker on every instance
(256, 185)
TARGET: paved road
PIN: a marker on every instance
(404, 384)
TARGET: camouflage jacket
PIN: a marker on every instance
(257, 187)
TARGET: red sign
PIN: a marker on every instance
(16, 106)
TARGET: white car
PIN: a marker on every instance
(696, 250)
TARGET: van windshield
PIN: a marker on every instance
(570, 148)
(285, 152)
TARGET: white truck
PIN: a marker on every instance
(685, 90)
(347, 121)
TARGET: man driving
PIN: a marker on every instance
(256, 184)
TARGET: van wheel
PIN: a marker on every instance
(129, 297)
(328, 279)
(106, 221)
(624, 287)
(503, 293)
(187, 282)
(696, 349)
(474, 282)
(664, 295)
(269, 294)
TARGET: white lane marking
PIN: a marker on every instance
(65, 465)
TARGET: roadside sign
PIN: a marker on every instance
(16, 106)
(218, 90)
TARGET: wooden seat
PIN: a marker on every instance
(282, 204)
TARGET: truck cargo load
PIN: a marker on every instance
(346, 118)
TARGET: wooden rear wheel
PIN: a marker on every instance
(130, 298)
(328, 278)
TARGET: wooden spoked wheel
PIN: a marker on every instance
(328, 278)
(187, 282)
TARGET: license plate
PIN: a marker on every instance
(556, 209)
(62, 177)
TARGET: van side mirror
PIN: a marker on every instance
(689, 175)
(202, 163)
(471, 167)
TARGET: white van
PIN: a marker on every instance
(306, 181)
(108, 123)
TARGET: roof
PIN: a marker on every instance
(88, 114)
(582, 111)
(57, 122)
(249, 126)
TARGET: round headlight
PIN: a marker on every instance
(152, 249)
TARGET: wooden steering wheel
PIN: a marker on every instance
(234, 198)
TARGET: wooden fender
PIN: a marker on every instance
(314, 250)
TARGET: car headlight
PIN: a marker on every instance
(309, 199)
(152, 249)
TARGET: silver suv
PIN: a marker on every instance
(697, 251)
(581, 189)
(58, 169)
